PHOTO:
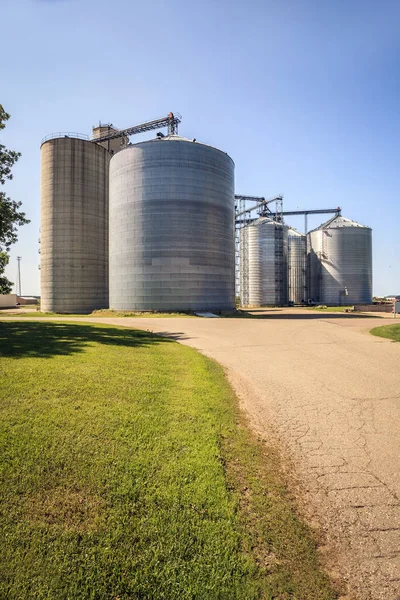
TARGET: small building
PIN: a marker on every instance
(8, 300)
(24, 300)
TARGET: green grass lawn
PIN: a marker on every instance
(127, 472)
(96, 313)
(391, 332)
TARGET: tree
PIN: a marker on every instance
(10, 215)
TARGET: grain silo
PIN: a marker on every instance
(297, 254)
(340, 263)
(172, 227)
(264, 263)
(74, 225)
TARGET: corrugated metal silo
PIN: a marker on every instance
(340, 262)
(297, 254)
(264, 263)
(74, 225)
(172, 227)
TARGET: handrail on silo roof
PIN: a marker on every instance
(65, 134)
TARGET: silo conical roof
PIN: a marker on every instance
(339, 222)
(174, 137)
(294, 232)
(266, 220)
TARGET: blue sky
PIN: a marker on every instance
(303, 94)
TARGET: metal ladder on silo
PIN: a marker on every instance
(242, 252)
(278, 264)
(324, 252)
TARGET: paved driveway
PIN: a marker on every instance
(329, 393)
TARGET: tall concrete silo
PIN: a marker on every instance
(74, 225)
(264, 263)
(297, 259)
(172, 227)
(340, 262)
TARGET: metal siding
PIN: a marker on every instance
(339, 258)
(267, 260)
(74, 226)
(171, 227)
(297, 248)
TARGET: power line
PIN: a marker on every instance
(19, 293)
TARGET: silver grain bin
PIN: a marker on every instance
(172, 227)
(297, 259)
(264, 263)
(340, 263)
(74, 225)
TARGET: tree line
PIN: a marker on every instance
(11, 217)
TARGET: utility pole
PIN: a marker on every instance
(19, 293)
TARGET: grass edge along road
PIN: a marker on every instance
(13, 313)
(129, 472)
(391, 332)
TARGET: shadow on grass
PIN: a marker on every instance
(172, 336)
(44, 340)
